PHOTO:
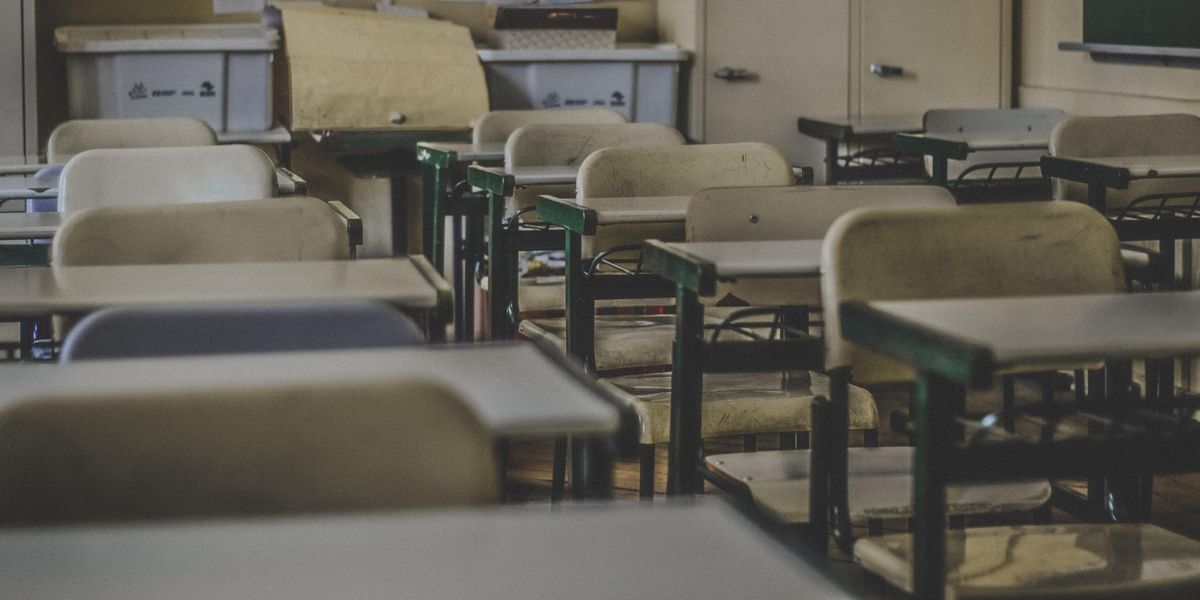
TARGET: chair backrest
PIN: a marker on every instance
(569, 144)
(1019, 249)
(72, 137)
(647, 171)
(495, 126)
(233, 451)
(141, 176)
(1146, 135)
(680, 170)
(236, 329)
(271, 229)
(794, 212)
(996, 121)
(790, 213)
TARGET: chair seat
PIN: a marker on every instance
(622, 341)
(880, 485)
(737, 403)
(1050, 561)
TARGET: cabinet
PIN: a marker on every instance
(767, 62)
(18, 93)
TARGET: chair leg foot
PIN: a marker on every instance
(646, 472)
(558, 481)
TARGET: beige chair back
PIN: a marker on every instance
(1148, 135)
(267, 230)
(1020, 249)
(547, 145)
(495, 126)
(72, 137)
(636, 172)
(791, 213)
(233, 452)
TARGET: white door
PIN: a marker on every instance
(951, 53)
(15, 43)
(793, 56)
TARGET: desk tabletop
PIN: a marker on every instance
(949, 144)
(843, 128)
(385, 139)
(29, 226)
(1139, 167)
(466, 152)
(649, 209)
(17, 186)
(550, 401)
(700, 551)
(698, 266)
(65, 290)
(970, 339)
(553, 175)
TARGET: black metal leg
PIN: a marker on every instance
(684, 451)
(646, 456)
(472, 251)
(462, 333)
(940, 170)
(498, 276)
(836, 433)
(1009, 402)
(936, 401)
(558, 474)
(591, 468)
(819, 474)
(832, 174)
(787, 441)
(399, 216)
(581, 307)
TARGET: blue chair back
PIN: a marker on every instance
(188, 331)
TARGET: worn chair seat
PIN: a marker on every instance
(736, 403)
(1050, 561)
(622, 341)
(880, 485)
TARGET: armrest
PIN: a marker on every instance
(490, 179)
(354, 226)
(568, 214)
(289, 184)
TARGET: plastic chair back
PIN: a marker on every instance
(267, 230)
(188, 331)
(495, 126)
(221, 451)
(1147, 135)
(72, 137)
(1019, 249)
(143, 176)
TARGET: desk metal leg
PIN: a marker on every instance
(684, 451)
(432, 190)
(462, 332)
(473, 255)
(831, 162)
(581, 308)
(941, 170)
(936, 400)
(591, 468)
(399, 216)
(499, 278)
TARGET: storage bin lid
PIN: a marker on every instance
(165, 38)
(631, 53)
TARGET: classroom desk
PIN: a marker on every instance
(443, 172)
(16, 186)
(389, 153)
(410, 284)
(582, 290)
(965, 343)
(701, 551)
(946, 146)
(695, 269)
(835, 131)
(507, 238)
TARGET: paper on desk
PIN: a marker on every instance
(360, 69)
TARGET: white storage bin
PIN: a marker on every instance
(641, 82)
(218, 73)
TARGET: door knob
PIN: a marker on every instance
(732, 74)
(885, 70)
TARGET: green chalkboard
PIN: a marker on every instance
(1161, 23)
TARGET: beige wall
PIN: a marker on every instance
(1074, 82)
(637, 24)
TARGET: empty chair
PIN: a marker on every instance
(495, 126)
(183, 331)
(1149, 135)
(274, 229)
(999, 123)
(76, 136)
(155, 452)
(141, 176)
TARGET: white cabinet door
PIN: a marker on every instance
(953, 53)
(795, 57)
(16, 98)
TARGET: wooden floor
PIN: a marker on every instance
(1176, 503)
